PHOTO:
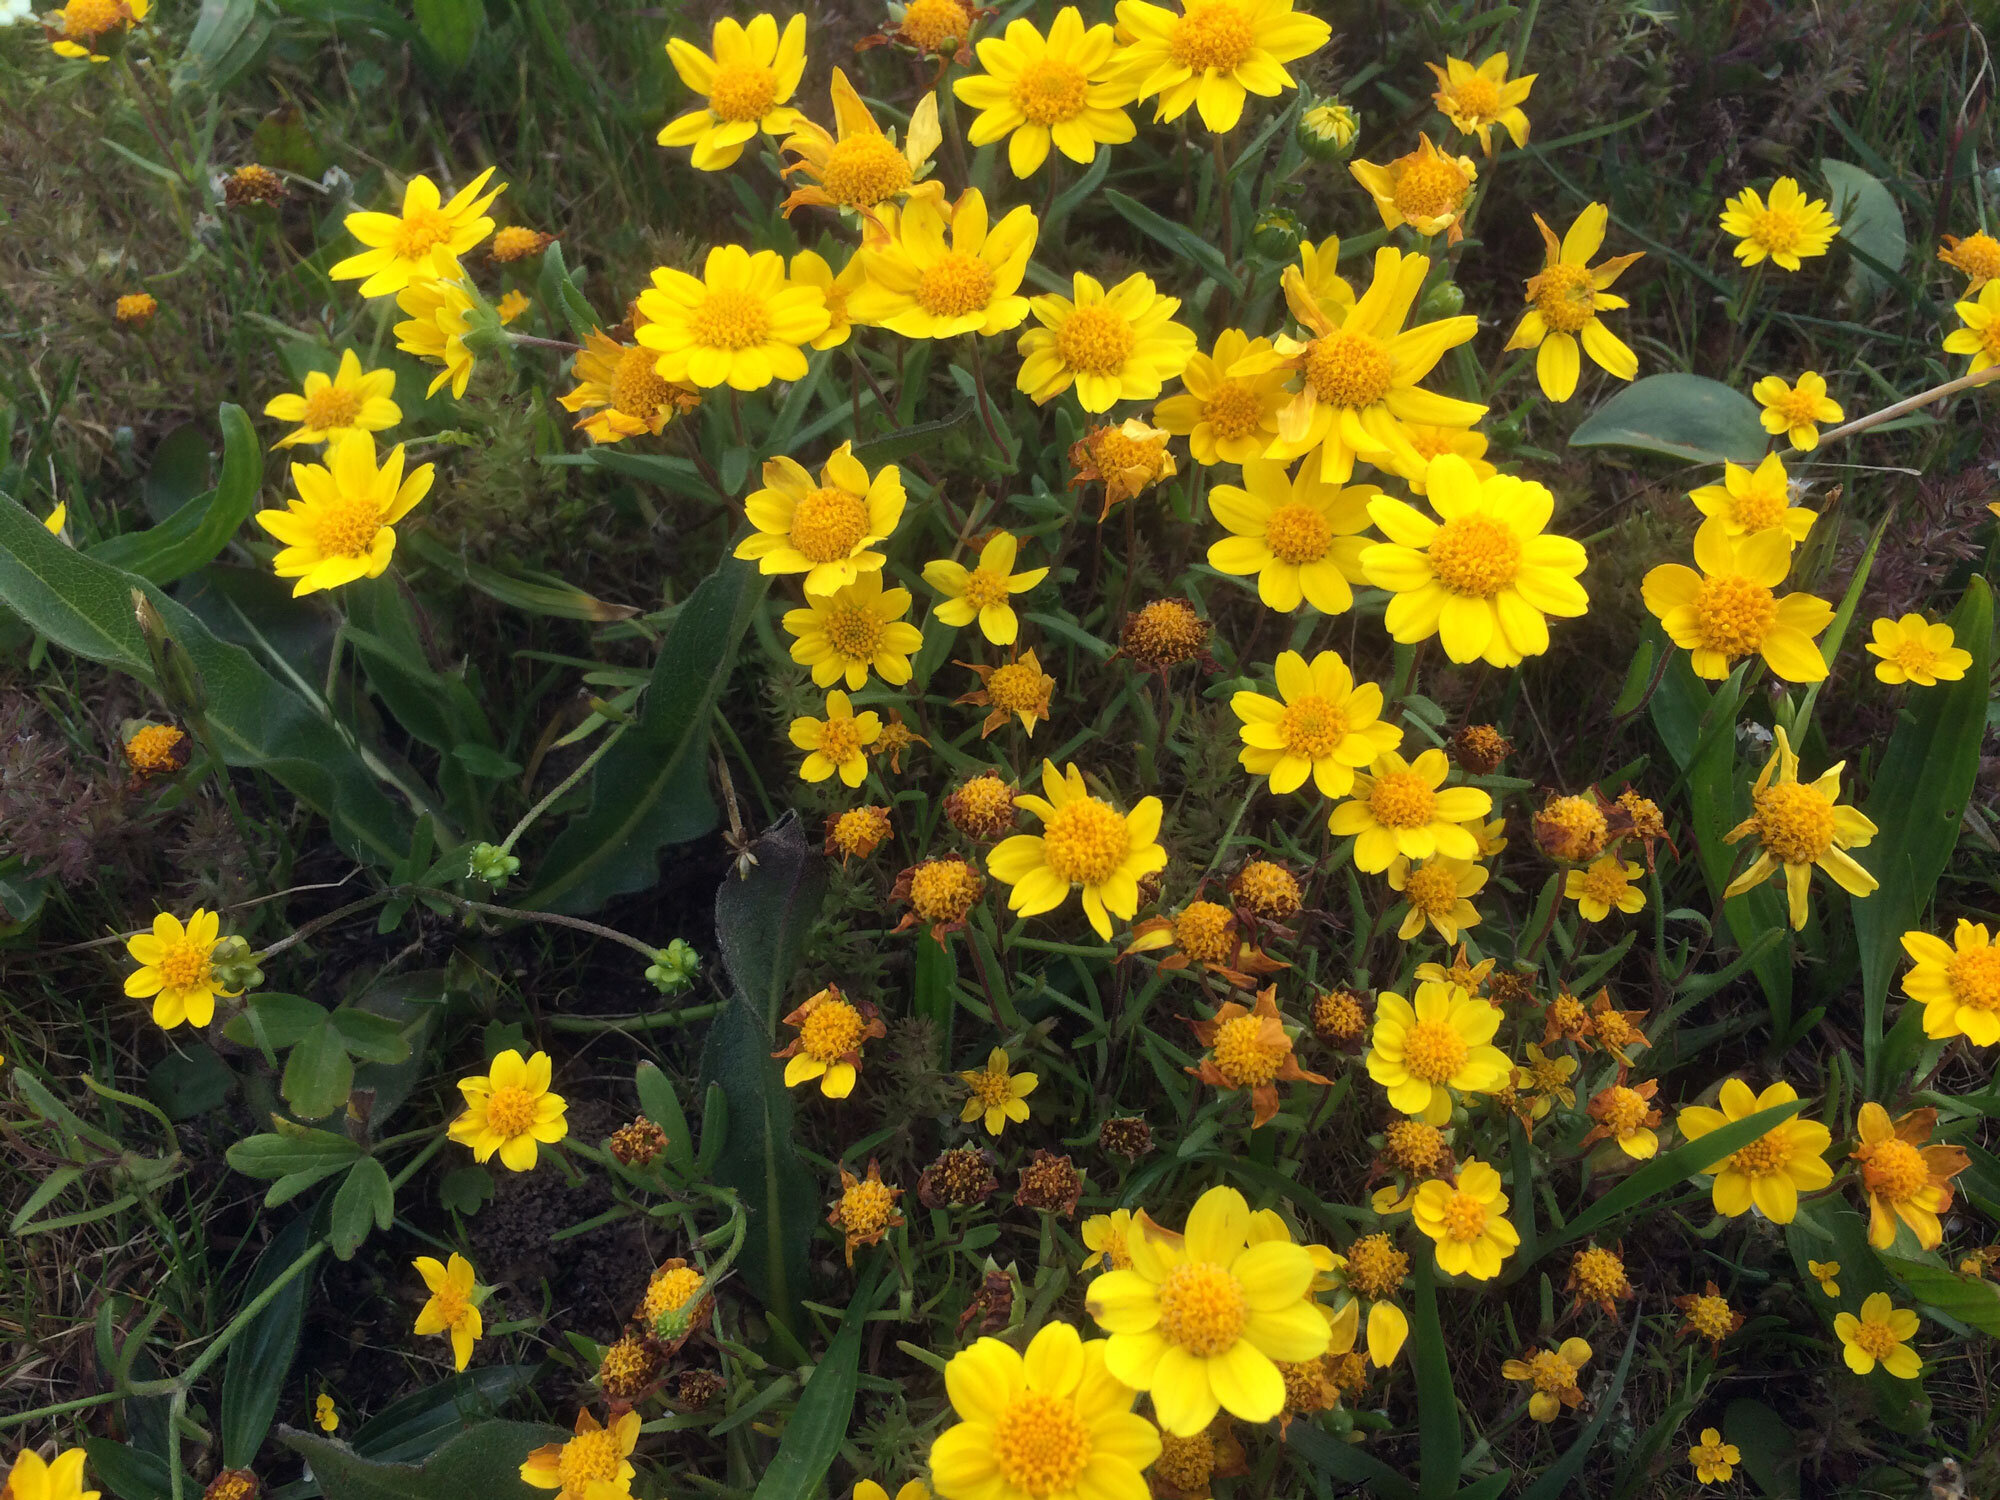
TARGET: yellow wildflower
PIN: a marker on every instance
(1905, 1178)
(1881, 1335)
(1214, 53)
(1977, 255)
(861, 167)
(30, 1478)
(1608, 882)
(1104, 1236)
(619, 390)
(509, 1110)
(1299, 533)
(1790, 227)
(595, 1464)
(76, 30)
(832, 1030)
(1751, 502)
(923, 283)
(1795, 411)
(350, 400)
(743, 323)
(996, 1095)
(1475, 99)
(1564, 301)
(1729, 609)
(1444, 1041)
(440, 315)
(1552, 1372)
(1957, 983)
(423, 241)
(754, 69)
(1325, 727)
(828, 530)
(1823, 1271)
(324, 1413)
(175, 968)
(839, 742)
(1120, 345)
(1468, 1221)
(1714, 1460)
(453, 1305)
(1017, 687)
(857, 627)
(1770, 1172)
(1404, 807)
(1914, 650)
(136, 309)
(982, 593)
(1226, 418)
(342, 525)
(1085, 843)
(1797, 825)
(1438, 892)
(1424, 189)
(1065, 90)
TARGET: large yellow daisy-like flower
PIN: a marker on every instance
(1300, 534)
(1787, 229)
(1358, 372)
(923, 285)
(1881, 1336)
(439, 318)
(1424, 189)
(839, 742)
(1483, 577)
(174, 968)
(1085, 843)
(1403, 807)
(509, 1110)
(1325, 727)
(1468, 1221)
(30, 1478)
(1770, 1172)
(1795, 411)
(858, 626)
(619, 390)
(1420, 1052)
(742, 324)
(1067, 90)
(342, 526)
(453, 1305)
(1980, 337)
(753, 72)
(1749, 501)
(828, 530)
(1227, 418)
(1957, 983)
(1904, 1176)
(981, 593)
(1214, 53)
(1729, 610)
(1050, 1424)
(1977, 256)
(423, 242)
(1797, 825)
(1564, 301)
(1201, 1319)
(331, 406)
(1475, 99)
(861, 167)
(1120, 345)
(594, 1465)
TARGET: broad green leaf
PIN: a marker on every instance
(818, 1424)
(1319, 1451)
(450, 27)
(254, 1369)
(186, 1084)
(660, 1102)
(537, 595)
(319, 1075)
(415, 1426)
(1682, 416)
(299, 1150)
(280, 1020)
(1869, 221)
(365, 1199)
(482, 1460)
(195, 534)
(227, 36)
(1770, 1451)
(370, 1038)
(761, 922)
(131, 1473)
(1440, 1442)
(1969, 1299)
(413, 1001)
(465, 1190)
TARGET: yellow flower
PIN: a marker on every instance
(1770, 1172)
(440, 316)
(920, 284)
(1247, 1047)
(1201, 1319)
(1226, 418)
(1980, 337)
(1477, 99)
(1438, 891)
(1714, 1460)
(1319, 270)
(1881, 1335)
(32, 1479)
(84, 24)
(1797, 825)
(324, 1413)
(1786, 229)
(1214, 53)
(981, 593)
(1425, 189)
(1404, 807)
(1048, 1425)
(997, 1096)
(342, 525)
(1120, 345)
(1905, 1178)
(56, 519)
(453, 1307)
(860, 167)
(1105, 1236)
(329, 407)
(1017, 687)
(620, 392)
(1485, 576)
(1914, 650)
(914, 1489)
(137, 308)
(1067, 90)
(1607, 883)
(1299, 533)
(858, 626)
(839, 742)
(1427, 443)
(593, 1465)
(1729, 610)
(1358, 371)
(1564, 300)
(1749, 502)
(1823, 1271)
(509, 1109)
(1085, 842)
(1795, 411)
(753, 71)
(1325, 727)
(828, 530)
(1331, 127)
(810, 268)
(1552, 1372)
(1468, 1221)
(742, 323)
(174, 968)
(1977, 255)
(514, 243)
(1421, 1052)
(511, 305)
(421, 243)
(1957, 983)
(832, 1030)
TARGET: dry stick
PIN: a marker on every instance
(1923, 398)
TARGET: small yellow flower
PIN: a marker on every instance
(1564, 301)
(1552, 1372)
(753, 70)
(509, 1110)
(1331, 126)
(515, 242)
(828, 530)
(1020, 688)
(1905, 1177)
(1823, 1271)
(421, 243)
(914, 1489)
(1299, 533)
(342, 525)
(1251, 1048)
(174, 968)
(1438, 892)
(1714, 1460)
(1226, 418)
(30, 1478)
(1105, 1236)
(856, 628)
(946, 269)
(1214, 53)
(1795, 411)
(56, 519)
(136, 309)
(1770, 1172)
(1421, 1052)
(511, 305)
(1977, 255)
(619, 391)
(809, 268)
(1608, 882)
(860, 168)
(350, 400)
(440, 315)
(324, 1413)
(1729, 610)
(1475, 99)
(982, 593)
(1468, 1221)
(593, 1465)
(453, 1307)
(1127, 457)
(1427, 443)
(83, 24)
(1797, 825)
(1787, 229)
(839, 742)
(1881, 1335)
(742, 323)
(1404, 807)
(1957, 983)
(857, 833)
(1750, 502)
(1066, 90)
(1425, 189)
(1120, 345)
(1086, 844)
(1319, 274)
(997, 1096)
(1913, 650)
(832, 1030)
(1325, 728)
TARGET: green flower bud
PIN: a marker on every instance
(1327, 131)
(674, 967)
(231, 963)
(1445, 300)
(488, 863)
(1275, 235)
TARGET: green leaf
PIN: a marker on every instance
(413, 1427)
(1969, 1299)
(1179, 240)
(661, 1103)
(1917, 800)
(1323, 1452)
(559, 290)
(1682, 416)
(482, 1460)
(255, 1367)
(1440, 1443)
(819, 1422)
(300, 1150)
(1770, 1452)
(540, 594)
(131, 1473)
(195, 534)
(281, 1020)
(450, 27)
(761, 922)
(370, 1038)
(365, 1198)
(651, 788)
(1827, 1229)
(465, 1190)
(227, 36)
(1870, 222)
(186, 1084)
(319, 1075)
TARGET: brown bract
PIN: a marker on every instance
(1240, 964)
(961, 1177)
(872, 1027)
(1260, 1056)
(1050, 1183)
(1028, 697)
(896, 737)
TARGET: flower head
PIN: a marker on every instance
(595, 1464)
(1770, 1172)
(440, 315)
(176, 970)
(832, 1031)
(1341, 1018)
(1104, 1236)
(1914, 650)
(1205, 933)
(513, 302)
(1795, 411)
(1881, 1335)
(325, 1416)
(516, 242)
(1608, 882)
(753, 71)
(1905, 1177)
(628, 1369)
(1214, 53)
(1468, 1221)
(423, 241)
(637, 1142)
(453, 1306)
(960, 1177)
(1427, 442)
(1980, 337)
(1425, 189)
(810, 269)
(1065, 90)
(1750, 502)
(861, 167)
(827, 530)
(136, 309)
(1301, 535)
(1267, 890)
(1049, 1184)
(1787, 229)
(509, 1110)
(1163, 634)
(854, 628)
(1019, 687)
(31, 1478)
(1729, 610)
(1957, 983)
(839, 742)
(996, 1095)
(1709, 1316)
(619, 390)
(1329, 129)
(1226, 417)
(1127, 457)
(942, 270)
(85, 28)
(935, 28)
(895, 738)
(1714, 1460)
(1475, 99)
(1552, 1373)
(1564, 301)
(1977, 256)
(858, 832)
(866, 1209)
(1085, 844)
(1798, 824)
(742, 323)
(1438, 892)
(332, 406)
(1323, 729)
(1116, 345)
(1625, 1113)
(1598, 1275)
(1404, 807)
(941, 893)
(1823, 1272)
(981, 593)
(1443, 1041)
(1250, 1049)
(982, 807)
(342, 525)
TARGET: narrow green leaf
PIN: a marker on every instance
(1440, 1443)
(254, 1369)
(414, 1427)
(661, 1103)
(1177, 239)
(540, 595)
(195, 534)
(818, 1423)
(560, 291)
(1969, 1299)
(1323, 1452)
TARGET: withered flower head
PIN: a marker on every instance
(1481, 748)
(1164, 634)
(638, 1143)
(1128, 1136)
(1250, 1049)
(960, 1177)
(865, 1211)
(982, 807)
(941, 893)
(1050, 1183)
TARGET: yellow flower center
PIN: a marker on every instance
(1270, 889)
(1475, 556)
(1551, 1373)
(1429, 187)
(1434, 1052)
(1018, 688)
(511, 1110)
(1914, 656)
(1799, 408)
(1085, 842)
(943, 890)
(1115, 453)
(859, 830)
(863, 170)
(852, 630)
(730, 319)
(1049, 91)
(1710, 1317)
(331, 408)
(1211, 34)
(184, 965)
(1243, 1056)
(636, 387)
(1375, 1267)
(136, 307)
(1202, 1308)
(1605, 881)
(1298, 534)
(346, 526)
(1040, 1445)
(1565, 297)
(589, 1456)
(829, 523)
(1777, 228)
(1733, 614)
(1896, 1170)
(1567, 1015)
(1432, 890)
(985, 588)
(92, 18)
(1401, 799)
(1879, 1339)
(840, 740)
(1978, 255)
(1464, 1218)
(1338, 1016)
(1794, 822)
(451, 1305)
(670, 1291)
(1623, 1110)
(1760, 507)
(831, 1032)
(930, 24)
(991, 1089)
(1764, 1157)
(1413, 1145)
(152, 748)
(1206, 932)
(1312, 727)
(867, 1207)
(1233, 409)
(1349, 369)
(1600, 1274)
(1477, 96)
(1973, 976)
(1095, 340)
(742, 91)
(421, 232)
(955, 284)
(1165, 633)
(1186, 1463)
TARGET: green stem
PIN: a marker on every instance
(656, 1022)
(528, 818)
